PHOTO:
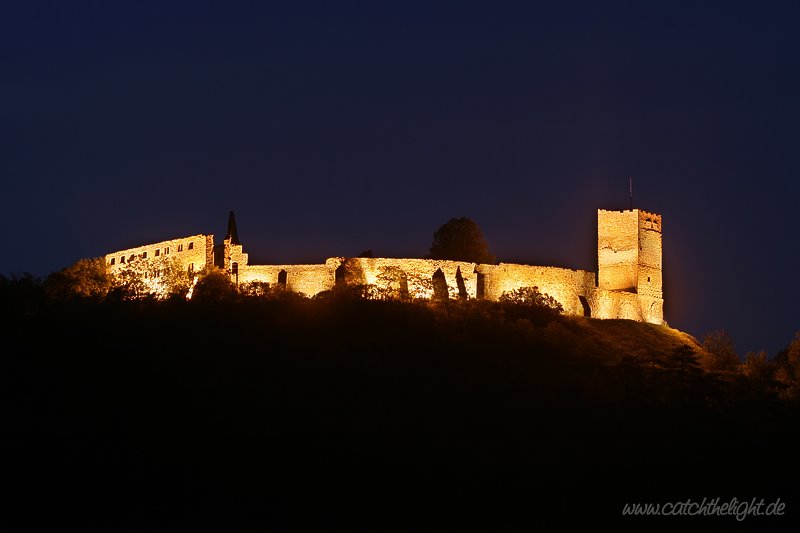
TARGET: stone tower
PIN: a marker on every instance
(629, 252)
(229, 255)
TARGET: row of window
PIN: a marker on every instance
(157, 253)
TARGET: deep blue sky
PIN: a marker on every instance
(337, 127)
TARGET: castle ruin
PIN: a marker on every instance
(628, 283)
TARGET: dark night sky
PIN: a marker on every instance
(334, 128)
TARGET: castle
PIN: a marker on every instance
(628, 283)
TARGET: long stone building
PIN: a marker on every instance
(628, 282)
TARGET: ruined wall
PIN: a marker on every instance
(565, 285)
(618, 249)
(616, 304)
(308, 280)
(234, 259)
(193, 253)
(418, 274)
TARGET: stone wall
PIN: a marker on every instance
(619, 304)
(574, 289)
(308, 280)
(418, 274)
(617, 249)
(192, 253)
(565, 285)
(234, 259)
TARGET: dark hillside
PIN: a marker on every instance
(292, 413)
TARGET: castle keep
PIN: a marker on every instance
(628, 283)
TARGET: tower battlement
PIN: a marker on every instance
(629, 250)
(650, 221)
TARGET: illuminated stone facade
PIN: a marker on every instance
(190, 254)
(628, 284)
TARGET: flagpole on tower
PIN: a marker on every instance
(630, 192)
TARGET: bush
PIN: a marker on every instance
(532, 297)
(213, 285)
(87, 278)
(528, 303)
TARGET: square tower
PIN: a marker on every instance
(629, 252)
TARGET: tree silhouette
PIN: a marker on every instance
(720, 353)
(683, 360)
(87, 278)
(460, 239)
(684, 377)
(759, 377)
(214, 285)
(788, 371)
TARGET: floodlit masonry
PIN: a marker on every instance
(628, 283)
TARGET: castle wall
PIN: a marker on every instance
(196, 258)
(418, 274)
(615, 304)
(308, 280)
(565, 285)
(233, 255)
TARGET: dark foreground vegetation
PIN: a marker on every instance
(274, 413)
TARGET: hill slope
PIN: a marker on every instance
(290, 413)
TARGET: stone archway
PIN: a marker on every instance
(340, 275)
